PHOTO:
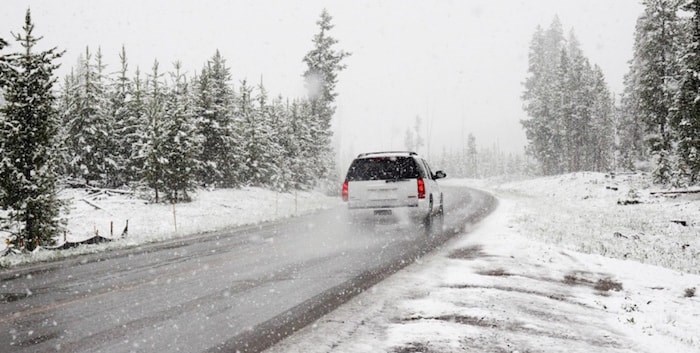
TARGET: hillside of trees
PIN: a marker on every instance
(159, 129)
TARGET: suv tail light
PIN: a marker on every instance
(345, 191)
(421, 188)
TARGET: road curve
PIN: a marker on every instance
(240, 290)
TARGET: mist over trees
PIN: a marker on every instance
(475, 161)
(162, 131)
(659, 113)
(571, 124)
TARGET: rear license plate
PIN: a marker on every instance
(382, 212)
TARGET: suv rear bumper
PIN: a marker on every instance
(368, 212)
(380, 207)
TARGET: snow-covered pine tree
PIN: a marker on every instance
(65, 107)
(630, 130)
(281, 178)
(180, 141)
(110, 166)
(27, 140)
(561, 119)
(214, 99)
(602, 131)
(290, 141)
(578, 123)
(152, 147)
(126, 124)
(542, 98)
(686, 116)
(561, 94)
(137, 128)
(208, 129)
(90, 125)
(252, 130)
(324, 63)
(630, 127)
(301, 147)
(655, 69)
(533, 102)
(257, 134)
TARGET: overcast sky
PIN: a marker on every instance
(458, 64)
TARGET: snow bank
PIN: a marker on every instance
(617, 217)
(107, 215)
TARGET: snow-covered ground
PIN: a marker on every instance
(509, 287)
(594, 213)
(89, 214)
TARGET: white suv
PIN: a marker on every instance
(391, 184)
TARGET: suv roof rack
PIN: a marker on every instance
(410, 153)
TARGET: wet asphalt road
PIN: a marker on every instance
(239, 290)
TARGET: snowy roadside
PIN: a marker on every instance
(615, 217)
(107, 216)
(501, 289)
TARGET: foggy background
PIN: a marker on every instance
(458, 65)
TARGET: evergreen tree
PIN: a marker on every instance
(580, 86)
(655, 71)
(321, 76)
(602, 131)
(299, 145)
(110, 167)
(257, 135)
(568, 104)
(542, 97)
(126, 124)
(152, 148)
(686, 116)
(180, 141)
(214, 100)
(90, 125)
(251, 132)
(630, 128)
(27, 138)
(135, 128)
(66, 106)
(279, 124)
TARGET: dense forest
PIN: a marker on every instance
(573, 123)
(160, 130)
(659, 114)
(570, 126)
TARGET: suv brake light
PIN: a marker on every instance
(421, 188)
(345, 191)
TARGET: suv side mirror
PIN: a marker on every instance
(439, 175)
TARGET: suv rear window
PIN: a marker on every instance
(383, 168)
